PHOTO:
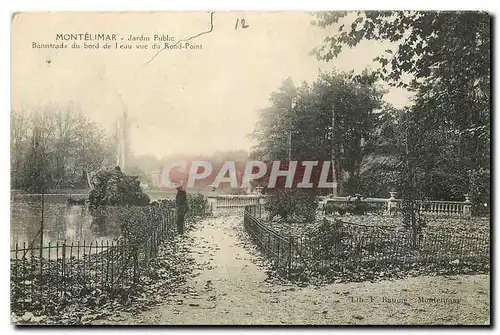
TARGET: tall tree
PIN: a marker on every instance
(19, 144)
(383, 154)
(443, 56)
(340, 100)
(59, 141)
(36, 171)
(274, 126)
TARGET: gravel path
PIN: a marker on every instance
(230, 286)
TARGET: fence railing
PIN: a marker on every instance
(341, 245)
(232, 203)
(445, 207)
(275, 246)
(237, 203)
(48, 277)
(55, 272)
(393, 205)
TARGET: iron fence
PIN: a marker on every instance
(340, 246)
(275, 246)
(47, 277)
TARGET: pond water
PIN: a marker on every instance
(62, 222)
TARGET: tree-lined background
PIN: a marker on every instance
(56, 148)
(438, 147)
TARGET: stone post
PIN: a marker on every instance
(467, 205)
(212, 201)
(391, 202)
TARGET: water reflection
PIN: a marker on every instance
(62, 222)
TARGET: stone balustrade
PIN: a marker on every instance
(236, 203)
(233, 203)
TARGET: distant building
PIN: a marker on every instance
(155, 178)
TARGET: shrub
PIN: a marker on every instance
(327, 238)
(354, 206)
(116, 196)
(197, 204)
(292, 204)
(166, 204)
(114, 188)
(137, 222)
(335, 207)
(375, 207)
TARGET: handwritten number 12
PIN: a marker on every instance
(243, 24)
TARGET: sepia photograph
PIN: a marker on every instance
(250, 168)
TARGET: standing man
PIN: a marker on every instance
(182, 207)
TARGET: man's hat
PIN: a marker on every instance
(178, 185)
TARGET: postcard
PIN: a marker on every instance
(250, 168)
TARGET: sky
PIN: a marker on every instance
(182, 101)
